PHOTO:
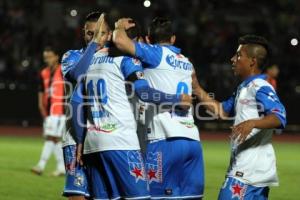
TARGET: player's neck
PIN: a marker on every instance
(165, 43)
(255, 73)
(53, 67)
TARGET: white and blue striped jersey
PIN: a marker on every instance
(111, 124)
(166, 69)
(253, 161)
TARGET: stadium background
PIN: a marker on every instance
(207, 31)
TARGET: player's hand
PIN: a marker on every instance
(242, 130)
(99, 29)
(186, 101)
(124, 23)
(79, 154)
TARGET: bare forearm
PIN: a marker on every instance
(209, 103)
(267, 122)
(204, 97)
(41, 105)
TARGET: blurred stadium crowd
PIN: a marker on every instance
(207, 31)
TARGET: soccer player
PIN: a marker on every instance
(74, 66)
(112, 151)
(257, 110)
(50, 98)
(174, 162)
(272, 73)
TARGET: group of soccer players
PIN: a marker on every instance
(118, 73)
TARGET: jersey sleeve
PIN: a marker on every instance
(79, 92)
(228, 105)
(76, 66)
(151, 55)
(130, 65)
(133, 72)
(269, 103)
(68, 62)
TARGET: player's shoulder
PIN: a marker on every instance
(170, 49)
(150, 47)
(45, 73)
(127, 60)
(260, 83)
(134, 60)
(45, 70)
(71, 55)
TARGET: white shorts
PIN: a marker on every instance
(54, 125)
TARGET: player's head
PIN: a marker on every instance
(51, 56)
(161, 31)
(133, 33)
(106, 30)
(272, 71)
(90, 25)
(251, 56)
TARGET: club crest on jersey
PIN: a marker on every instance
(136, 61)
(79, 180)
(238, 191)
(139, 75)
(136, 167)
(154, 167)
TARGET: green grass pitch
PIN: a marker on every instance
(19, 154)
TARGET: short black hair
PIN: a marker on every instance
(160, 30)
(258, 47)
(133, 32)
(92, 16)
(52, 48)
(270, 66)
(110, 20)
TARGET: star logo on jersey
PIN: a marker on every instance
(237, 191)
(70, 168)
(151, 174)
(137, 172)
(136, 166)
(154, 167)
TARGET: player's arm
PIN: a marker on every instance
(148, 94)
(73, 68)
(120, 37)
(78, 120)
(41, 105)
(149, 54)
(272, 109)
(222, 110)
(133, 72)
(41, 91)
(78, 115)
